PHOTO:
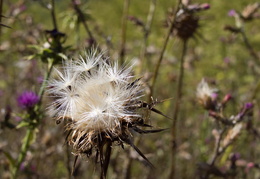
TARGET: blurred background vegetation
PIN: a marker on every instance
(220, 56)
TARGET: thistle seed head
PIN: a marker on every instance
(98, 99)
(206, 96)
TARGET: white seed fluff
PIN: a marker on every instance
(94, 93)
(204, 91)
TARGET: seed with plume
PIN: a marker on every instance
(206, 95)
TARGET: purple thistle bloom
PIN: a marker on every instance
(232, 13)
(28, 99)
(249, 105)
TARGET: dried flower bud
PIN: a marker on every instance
(227, 98)
(250, 12)
(186, 25)
(136, 21)
(232, 135)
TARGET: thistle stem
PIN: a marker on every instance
(123, 33)
(53, 15)
(83, 20)
(1, 13)
(177, 109)
(157, 67)
(147, 30)
(22, 154)
(249, 46)
(47, 75)
(31, 128)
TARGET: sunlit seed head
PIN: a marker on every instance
(93, 93)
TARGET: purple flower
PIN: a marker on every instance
(232, 13)
(249, 105)
(28, 99)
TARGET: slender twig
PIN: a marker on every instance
(177, 109)
(123, 33)
(147, 30)
(54, 21)
(83, 20)
(217, 150)
(249, 46)
(162, 52)
(44, 83)
(1, 14)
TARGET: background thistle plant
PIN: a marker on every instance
(216, 134)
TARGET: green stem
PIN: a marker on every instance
(176, 110)
(22, 154)
(44, 83)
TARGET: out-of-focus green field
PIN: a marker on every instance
(219, 56)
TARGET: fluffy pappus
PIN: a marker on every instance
(99, 102)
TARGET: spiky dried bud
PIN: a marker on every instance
(186, 25)
(99, 100)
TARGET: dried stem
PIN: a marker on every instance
(249, 46)
(124, 27)
(177, 109)
(54, 21)
(107, 157)
(83, 20)
(68, 161)
(217, 150)
(162, 52)
(1, 14)
(147, 30)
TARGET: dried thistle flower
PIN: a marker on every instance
(206, 96)
(250, 12)
(232, 135)
(187, 22)
(100, 102)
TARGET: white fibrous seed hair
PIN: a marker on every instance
(93, 93)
